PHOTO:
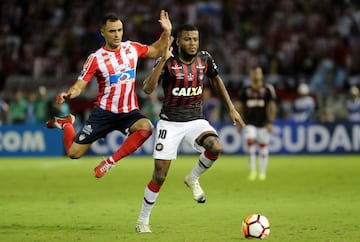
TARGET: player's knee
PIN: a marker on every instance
(250, 142)
(74, 153)
(148, 126)
(217, 148)
(213, 145)
(144, 124)
(74, 156)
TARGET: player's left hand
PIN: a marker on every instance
(269, 127)
(236, 118)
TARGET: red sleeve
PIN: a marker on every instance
(141, 49)
(89, 68)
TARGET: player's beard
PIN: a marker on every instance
(186, 56)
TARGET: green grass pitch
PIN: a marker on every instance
(306, 198)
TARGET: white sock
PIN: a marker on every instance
(202, 165)
(147, 205)
(264, 158)
(252, 157)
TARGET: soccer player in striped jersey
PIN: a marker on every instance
(183, 76)
(116, 107)
(258, 107)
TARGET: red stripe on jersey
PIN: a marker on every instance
(198, 72)
(131, 97)
(110, 98)
(136, 101)
(126, 100)
(186, 81)
(121, 88)
(171, 85)
(131, 62)
(177, 74)
(108, 64)
(167, 91)
(118, 58)
(110, 70)
(195, 82)
(121, 98)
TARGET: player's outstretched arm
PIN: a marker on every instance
(73, 92)
(219, 87)
(151, 81)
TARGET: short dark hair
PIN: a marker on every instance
(185, 27)
(112, 17)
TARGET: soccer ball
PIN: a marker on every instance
(256, 226)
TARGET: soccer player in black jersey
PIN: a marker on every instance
(182, 76)
(258, 107)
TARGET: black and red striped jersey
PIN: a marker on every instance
(183, 86)
(255, 103)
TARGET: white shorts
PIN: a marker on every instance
(170, 134)
(261, 135)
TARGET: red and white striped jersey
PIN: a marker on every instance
(115, 72)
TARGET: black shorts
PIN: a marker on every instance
(102, 122)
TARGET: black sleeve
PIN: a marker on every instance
(212, 70)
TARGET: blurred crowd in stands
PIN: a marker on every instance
(308, 49)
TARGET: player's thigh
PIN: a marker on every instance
(195, 130)
(210, 141)
(167, 139)
(263, 136)
(78, 150)
(142, 123)
(250, 132)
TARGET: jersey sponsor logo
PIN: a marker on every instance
(187, 91)
(190, 77)
(122, 77)
(129, 53)
(164, 116)
(176, 67)
(82, 137)
(179, 75)
(201, 77)
(122, 67)
(87, 129)
(252, 103)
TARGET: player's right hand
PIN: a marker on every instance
(62, 97)
(165, 21)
